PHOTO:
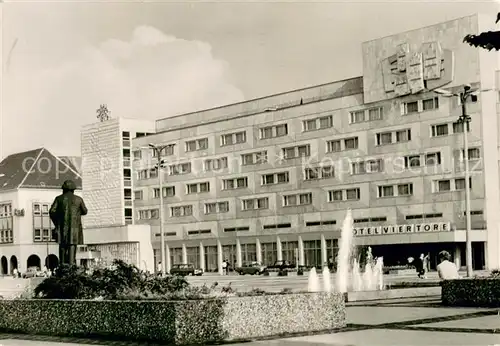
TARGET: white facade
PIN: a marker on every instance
(107, 189)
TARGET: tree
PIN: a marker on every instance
(488, 40)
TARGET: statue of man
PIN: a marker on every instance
(66, 213)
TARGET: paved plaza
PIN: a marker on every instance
(411, 322)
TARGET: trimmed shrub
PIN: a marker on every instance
(477, 292)
(72, 282)
(414, 284)
(176, 322)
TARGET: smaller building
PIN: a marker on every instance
(29, 182)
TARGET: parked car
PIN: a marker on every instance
(185, 269)
(33, 272)
(251, 268)
(281, 265)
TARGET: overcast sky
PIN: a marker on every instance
(61, 60)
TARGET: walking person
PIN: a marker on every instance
(425, 265)
(224, 267)
(419, 266)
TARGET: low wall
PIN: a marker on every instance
(411, 292)
(482, 292)
(177, 322)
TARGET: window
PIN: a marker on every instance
(386, 191)
(473, 154)
(273, 131)
(37, 209)
(237, 229)
(405, 189)
(412, 161)
(320, 223)
(319, 173)
(403, 135)
(456, 184)
(179, 169)
(443, 185)
(235, 183)
(167, 151)
(395, 190)
(384, 138)
(201, 231)
(197, 144)
(339, 145)
(216, 207)
(430, 104)
(318, 123)
(370, 114)
(433, 159)
(298, 199)
(215, 164)
(368, 166)
(424, 216)
(439, 130)
(419, 106)
(138, 195)
(233, 138)
(275, 178)
(198, 187)
(183, 210)
(280, 225)
(295, 152)
(254, 158)
(458, 127)
(352, 194)
(375, 114)
(255, 203)
(168, 191)
(411, 107)
(460, 183)
(149, 214)
(137, 154)
(371, 219)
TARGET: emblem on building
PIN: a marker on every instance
(408, 72)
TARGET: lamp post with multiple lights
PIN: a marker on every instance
(159, 150)
(465, 120)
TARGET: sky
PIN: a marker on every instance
(150, 60)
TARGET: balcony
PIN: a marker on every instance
(126, 143)
(126, 162)
(127, 182)
(128, 202)
(128, 220)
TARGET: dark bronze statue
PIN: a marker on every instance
(66, 214)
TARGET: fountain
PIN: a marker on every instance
(372, 277)
(327, 284)
(313, 281)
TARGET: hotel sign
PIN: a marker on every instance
(407, 72)
(403, 229)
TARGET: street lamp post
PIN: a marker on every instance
(159, 150)
(465, 120)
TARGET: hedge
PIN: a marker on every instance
(176, 322)
(477, 292)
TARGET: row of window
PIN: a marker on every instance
(315, 173)
(302, 199)
(325, 122)
(261, 157)
(420, 217)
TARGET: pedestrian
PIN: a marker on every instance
(419, 266)
(425, 263)
(330, 263)
(446, 269)
(224, 267)
(158, 269)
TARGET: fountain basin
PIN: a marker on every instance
(393, 293)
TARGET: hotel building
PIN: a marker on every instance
(271, 178)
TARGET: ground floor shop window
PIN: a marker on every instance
(312, 253)
(176, 256)
(211, 259)
(248, 253)
(290, 251)
(193, 255)
(269, 253)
